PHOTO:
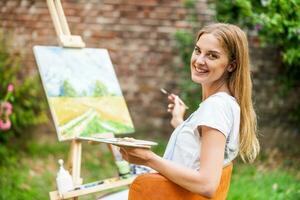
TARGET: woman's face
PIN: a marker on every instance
(209, 60)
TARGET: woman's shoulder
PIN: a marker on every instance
(220, 100)
(219, 111)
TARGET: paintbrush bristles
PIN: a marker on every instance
(168, 93)
(164, 91)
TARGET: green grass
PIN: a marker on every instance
(28, 171)
(18, 180)
(248, 183)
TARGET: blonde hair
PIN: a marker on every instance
(234, 41)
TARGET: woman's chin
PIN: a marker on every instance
(198, 79)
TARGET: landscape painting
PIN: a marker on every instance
(83, 92)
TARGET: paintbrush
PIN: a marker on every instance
(168, 93)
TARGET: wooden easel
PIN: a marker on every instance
(65, 39)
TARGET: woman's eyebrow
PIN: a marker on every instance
(214, 51)
(210, 51)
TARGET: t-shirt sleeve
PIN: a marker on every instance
(216, 113)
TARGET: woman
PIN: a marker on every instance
(222, 127)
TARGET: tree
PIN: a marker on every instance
(100, 89)
(68, 89)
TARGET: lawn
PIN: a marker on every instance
(249, 183)
(28, 170)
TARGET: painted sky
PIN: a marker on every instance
(81, 67)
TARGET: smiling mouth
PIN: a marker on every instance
(201, 70)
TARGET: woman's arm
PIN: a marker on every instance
(205, 181)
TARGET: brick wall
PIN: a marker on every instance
(139, 35)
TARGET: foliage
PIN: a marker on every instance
(185, 42)
(28, 171)
(100, 89)
(235, 12)
(29, 105)
(277, 23)
(68, 90)
(276, 184)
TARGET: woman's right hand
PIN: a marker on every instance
(177, 108)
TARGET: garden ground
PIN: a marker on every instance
(28, 170)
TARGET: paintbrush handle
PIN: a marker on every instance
(186, 107)
(168, 93)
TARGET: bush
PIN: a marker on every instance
(28, 104)
(277, 23)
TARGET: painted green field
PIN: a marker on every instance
(87, 116)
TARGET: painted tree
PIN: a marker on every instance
(68, 89)
(100, 89)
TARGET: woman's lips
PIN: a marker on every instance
(201, 70)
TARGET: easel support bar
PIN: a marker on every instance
(54, 17)
(62, 18)
(65, 38)
(54, 195)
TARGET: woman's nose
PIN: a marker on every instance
(200, 60)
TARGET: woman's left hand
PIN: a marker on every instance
(139, 156)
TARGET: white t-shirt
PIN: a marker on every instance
(219, 111)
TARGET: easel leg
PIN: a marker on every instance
(75, 162)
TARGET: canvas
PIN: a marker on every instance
(83, 92)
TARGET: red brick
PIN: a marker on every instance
(182, 24)
(104, 34)
(12, 3)
(105, 7)
(112, 14)
(139, 35)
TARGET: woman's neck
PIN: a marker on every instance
(208, 90)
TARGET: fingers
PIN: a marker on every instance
(124, 154)
(129, 139)
(171, 98)
(175, 103)
(170, 107)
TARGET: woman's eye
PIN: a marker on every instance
(197, 50)
(212, 56)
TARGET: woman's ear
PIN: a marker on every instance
(232, 66)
